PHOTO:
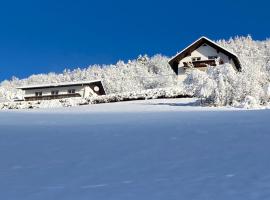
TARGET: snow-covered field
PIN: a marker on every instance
(142, 150)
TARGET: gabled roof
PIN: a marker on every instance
(54, 85)
(204, 40)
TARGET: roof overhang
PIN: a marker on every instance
(57, 85)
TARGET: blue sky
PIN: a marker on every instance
(43, 36)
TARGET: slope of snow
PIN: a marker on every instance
(142, 150)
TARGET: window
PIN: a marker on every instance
(96, 88)
(212, 57)
(38, 94)
(71, 91)
(196, 59)
(55, 92)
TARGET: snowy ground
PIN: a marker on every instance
(141, 150)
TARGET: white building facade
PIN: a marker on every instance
(63, 90)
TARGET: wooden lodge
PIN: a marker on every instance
(201, 54)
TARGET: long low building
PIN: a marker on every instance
(63, 90)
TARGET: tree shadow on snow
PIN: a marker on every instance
(183, 104)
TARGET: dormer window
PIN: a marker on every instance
(54, 92)
(196, 59)
(38, 94)
(212, 57)
(71, 91)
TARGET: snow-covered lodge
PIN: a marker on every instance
(63, 90)
(200, 54)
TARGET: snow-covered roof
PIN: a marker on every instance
(75, 83)
(201, 38)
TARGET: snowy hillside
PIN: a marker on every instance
(143, 72)
(218, 86)
(143, 150)
(139, 74)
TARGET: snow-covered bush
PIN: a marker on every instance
(172, 92)
(215, 86)
(199, 84)
(222, 85)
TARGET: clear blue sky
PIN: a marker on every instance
(50, 35)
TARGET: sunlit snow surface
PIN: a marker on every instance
(141, 150)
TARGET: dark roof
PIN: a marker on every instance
(203, 40)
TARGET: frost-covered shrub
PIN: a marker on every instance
(215, 86)
(222, 85)
(199, 84)
(249, 102)
(172, 92)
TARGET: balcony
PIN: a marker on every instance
(50, 97)
(200, 63)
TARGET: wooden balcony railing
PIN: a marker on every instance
(200, 63)
(50, 97)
